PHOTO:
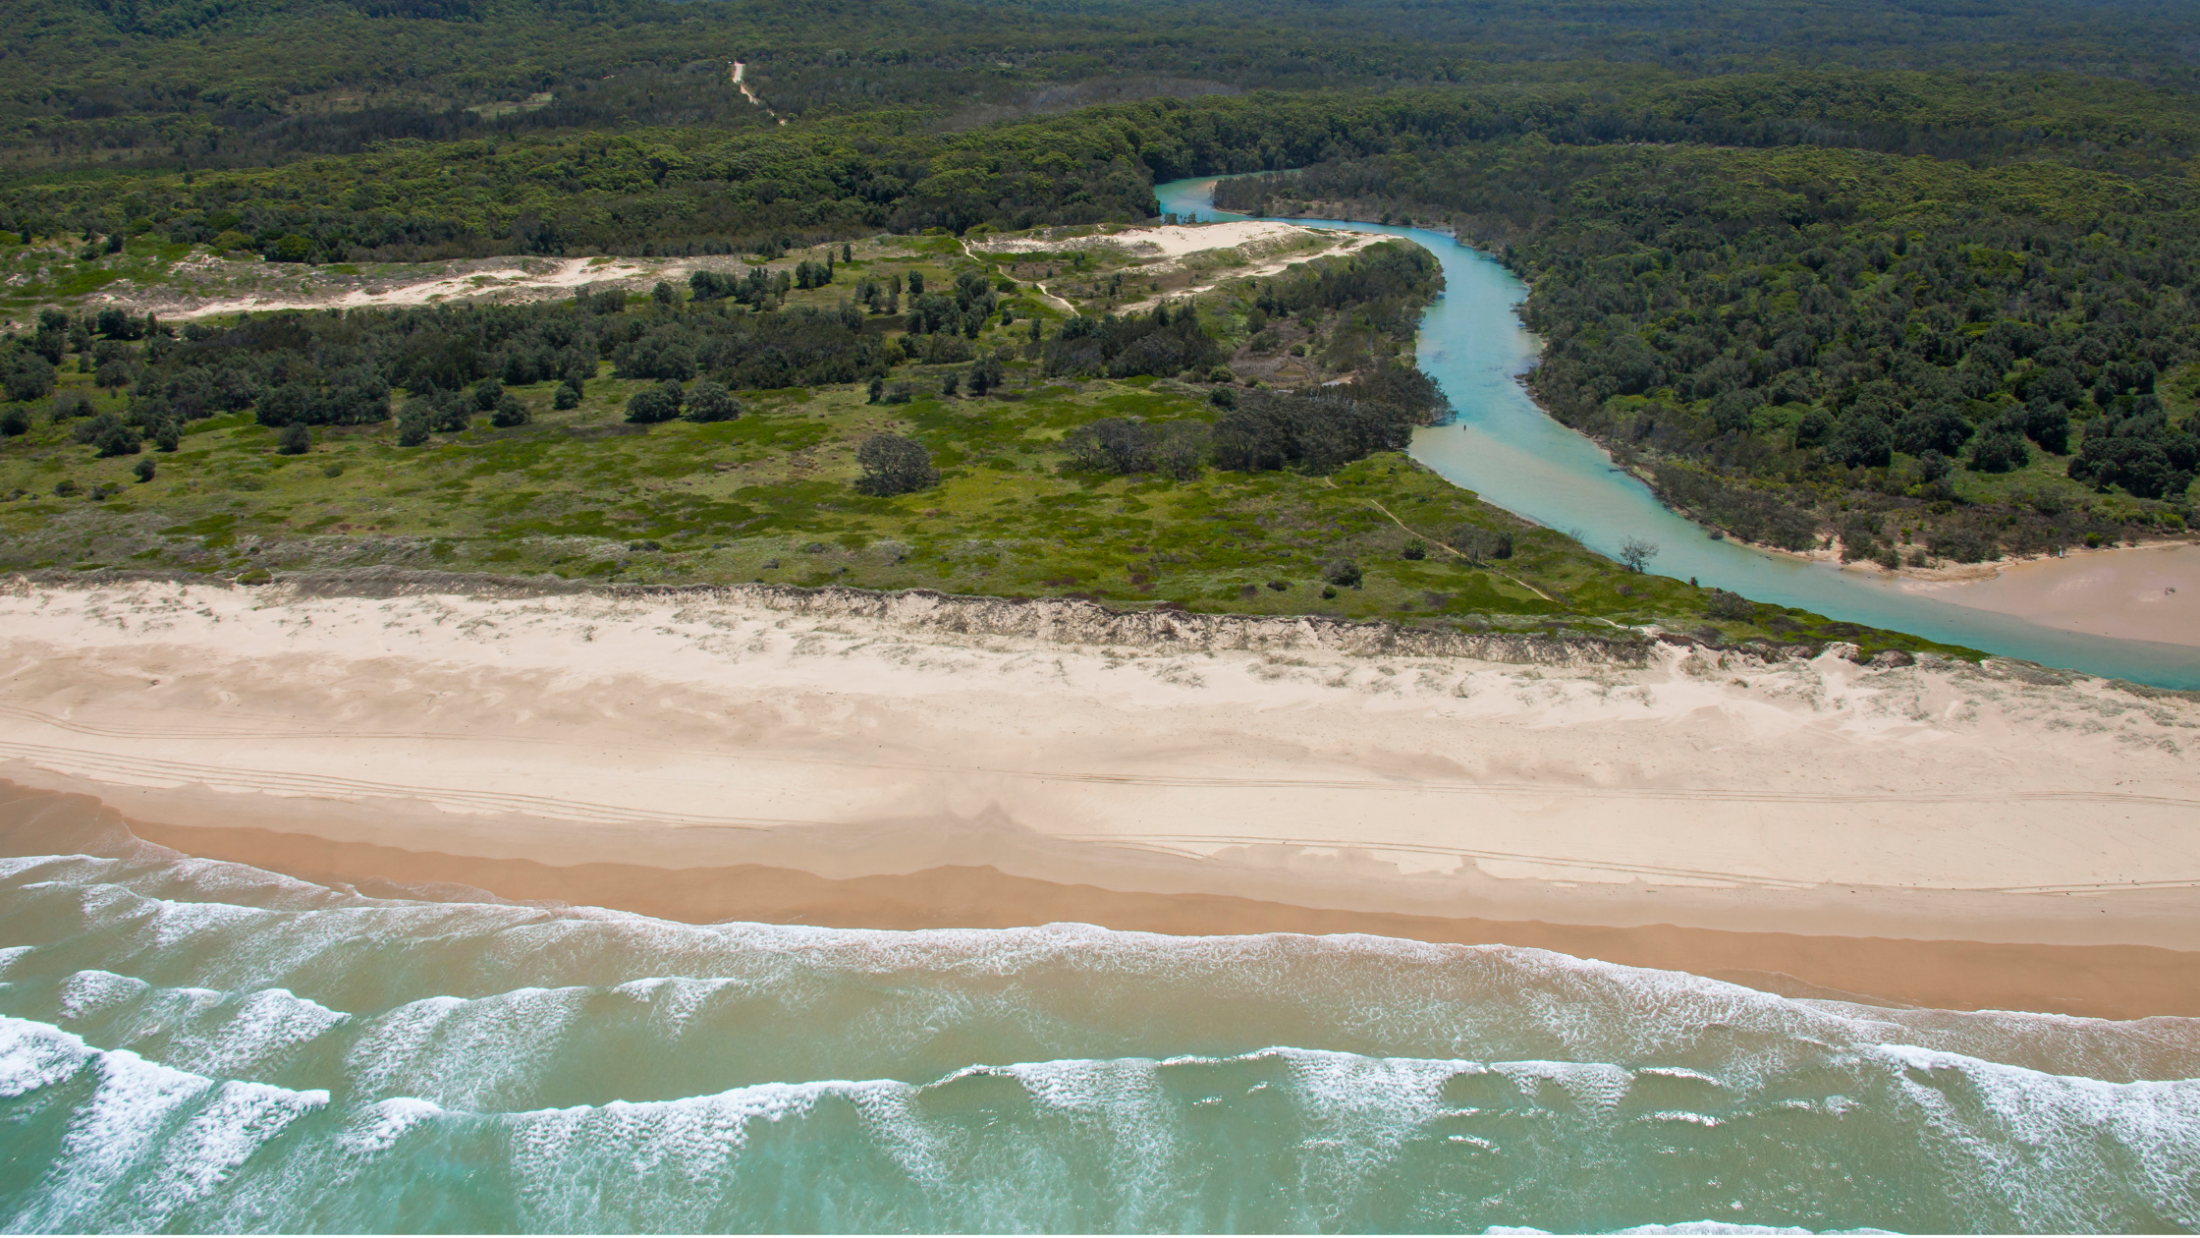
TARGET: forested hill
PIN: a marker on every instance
(708, 189)
(238, 83)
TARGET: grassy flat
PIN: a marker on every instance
(580, 494)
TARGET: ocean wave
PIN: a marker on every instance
(200, 1046)
(147, 1140)
(1278, 1139)
(501, 974)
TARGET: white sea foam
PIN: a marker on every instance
(1696, 1227)
(88, 993)
(1728, 1227)
(2031, 1133)
(676, 1000)
(376, 1128)
(150, 1140)
(1595, 1087)
(34, 1056)
(232, 1125)
(249, 1036)
(13, 867)
(1681, 1115)
(488, 1053)
(677, 1149)
(1087, 1085)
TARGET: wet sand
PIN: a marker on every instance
(2149, 593)
(2108, 982)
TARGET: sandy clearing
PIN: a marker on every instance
(2147, 593)
(518, 283)
(1160, 240)
(1350, 242)
(714, 729)
(1163, 247)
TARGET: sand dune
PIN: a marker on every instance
(515, 282)
(1159, 240)
(851, 738)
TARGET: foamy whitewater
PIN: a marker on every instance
(202, 1046)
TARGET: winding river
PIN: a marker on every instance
(1507, 450)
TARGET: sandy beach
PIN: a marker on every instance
(2010, 837)
(2149, 593)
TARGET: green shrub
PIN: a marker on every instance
(659, 403)
(510, 411)
(894, 465)
(710, 402)
(1732, 607)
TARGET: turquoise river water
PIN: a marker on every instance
(1505, 448)
(187, 1045)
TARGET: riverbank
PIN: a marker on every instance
(926, 760)
(1513, 455)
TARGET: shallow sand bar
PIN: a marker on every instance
(2149, 593)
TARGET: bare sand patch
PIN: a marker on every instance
(520, 282)
(2149, 593)
(1205, 253)
(1157, 241)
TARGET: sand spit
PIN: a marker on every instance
(2149, 593)
(849, 736)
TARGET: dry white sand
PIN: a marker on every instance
(1256, 249)
(2147, 593)
(1158, 241)
(712, 728)
(513, 283)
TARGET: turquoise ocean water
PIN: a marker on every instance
(192, 1045)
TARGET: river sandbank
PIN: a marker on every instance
(2149, 593)
(848, 759)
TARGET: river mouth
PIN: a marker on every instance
(1506, 449)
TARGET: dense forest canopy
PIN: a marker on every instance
(706, 190)
(1799, 337)
(245, 82)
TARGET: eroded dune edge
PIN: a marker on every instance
(1936, 834)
